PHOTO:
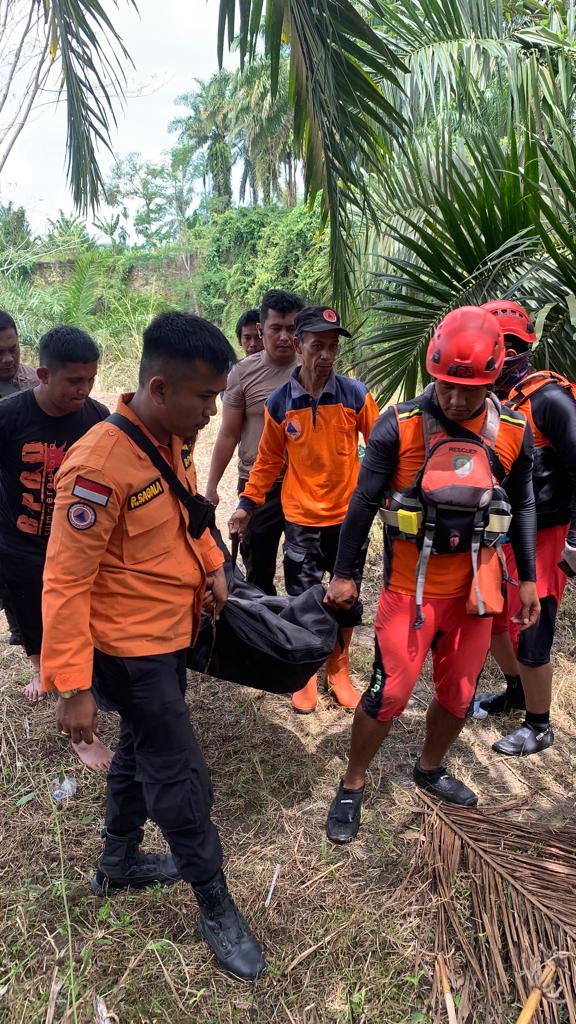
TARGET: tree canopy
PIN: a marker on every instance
(435, 138)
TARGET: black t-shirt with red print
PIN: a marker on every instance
(32, 447)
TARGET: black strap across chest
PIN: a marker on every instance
(200, 510)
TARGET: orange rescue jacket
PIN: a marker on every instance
(122, 572)
(318, 440)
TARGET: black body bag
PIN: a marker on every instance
(268, 643)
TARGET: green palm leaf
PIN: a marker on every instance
(468, 237)
(92, 58)
(344, 122)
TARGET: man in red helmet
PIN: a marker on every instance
(437, 463)
(548, 402)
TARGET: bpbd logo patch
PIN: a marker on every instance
(293, 429)
(81, 516)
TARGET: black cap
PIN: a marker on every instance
(319, 318)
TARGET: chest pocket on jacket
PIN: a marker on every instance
(345, 435)
(149, 530)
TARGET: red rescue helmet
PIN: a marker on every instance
(513, 319)
(467, 347)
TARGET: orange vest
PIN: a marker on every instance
(553, 488)
(519, 398)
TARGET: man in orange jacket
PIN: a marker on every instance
(312, 423)
(442, 519)
(126, 577)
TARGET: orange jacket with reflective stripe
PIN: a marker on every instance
(318, 441)
(122, 572)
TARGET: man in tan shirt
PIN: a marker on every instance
(14, 375)
(249, 384)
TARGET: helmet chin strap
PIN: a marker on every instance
(515, 368)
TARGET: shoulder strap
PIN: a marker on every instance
(200, 510)
(531, 383)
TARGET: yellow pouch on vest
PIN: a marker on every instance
(490, 581)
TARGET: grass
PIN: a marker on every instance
(343, 947)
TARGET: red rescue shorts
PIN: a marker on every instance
(533, 646)
(459, 645)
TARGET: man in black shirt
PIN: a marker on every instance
(37, 427)
(14, 377)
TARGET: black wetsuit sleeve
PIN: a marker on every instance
(554, 413)
(378, 466)
(520, 490)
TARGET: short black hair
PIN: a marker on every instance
(251, 316)
(281, 302)
(179, 337)
(65, 344)
(7, 322)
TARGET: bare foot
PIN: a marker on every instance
(32, 690)
(95, 755)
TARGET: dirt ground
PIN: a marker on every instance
(342, 947)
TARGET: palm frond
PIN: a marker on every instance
(499, 904)
(344, 122)
(93, 58)
(467, 235)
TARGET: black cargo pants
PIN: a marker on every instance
(22, 580)
(259, 547)
(158, 771)
(309, 554)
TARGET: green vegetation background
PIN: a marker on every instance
(224, 268)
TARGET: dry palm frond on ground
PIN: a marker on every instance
(504, 903)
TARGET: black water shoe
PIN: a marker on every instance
(227, 932)
(344, 815)
(444, 786)
(525, 740)
(500, 703)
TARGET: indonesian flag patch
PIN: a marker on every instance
(92, 491)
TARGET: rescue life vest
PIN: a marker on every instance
(456, 504)
(533, 382)
(553, 485)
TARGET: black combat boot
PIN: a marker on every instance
(123, 866)
(227, 932)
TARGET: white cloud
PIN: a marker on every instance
(171, 44)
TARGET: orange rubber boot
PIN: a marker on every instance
(338, 673)
(304, 701)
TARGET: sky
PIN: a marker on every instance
(171, 43)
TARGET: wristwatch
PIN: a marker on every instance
(66, 694)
